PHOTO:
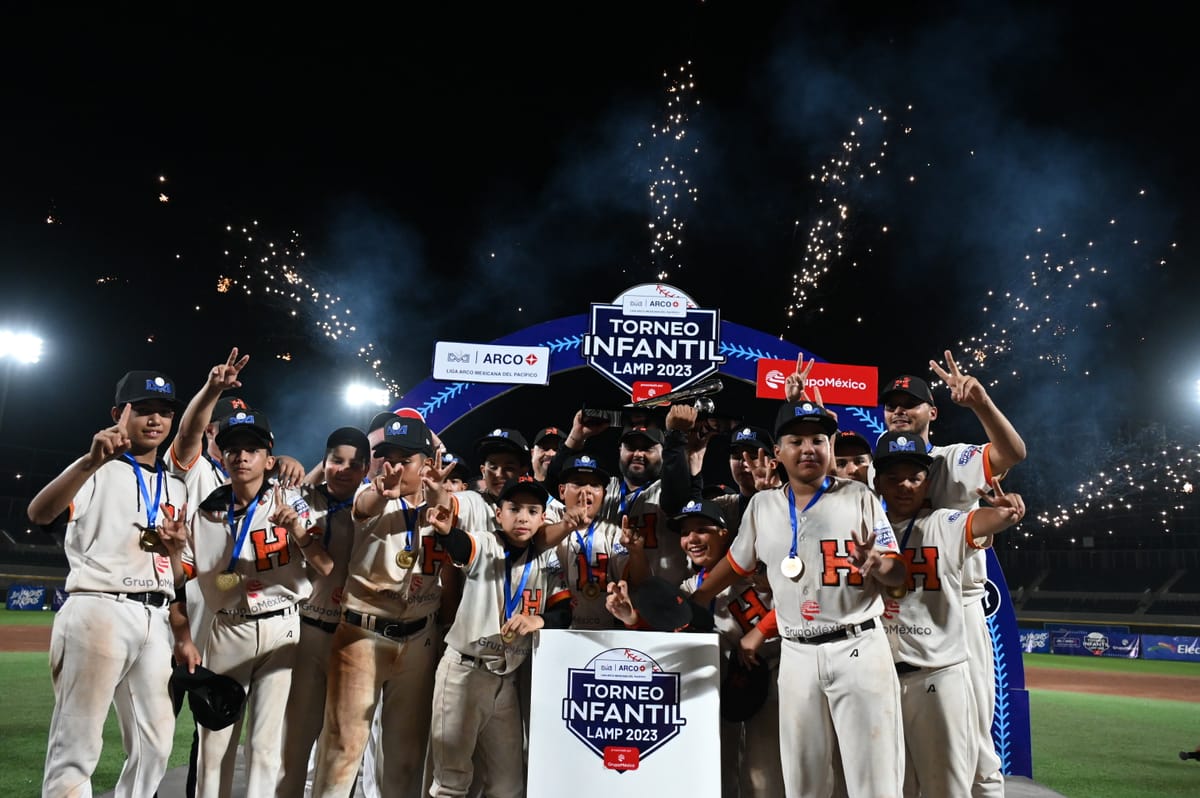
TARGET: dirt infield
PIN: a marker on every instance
(1133, 685)
(24, 638)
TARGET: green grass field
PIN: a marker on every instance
(25, 618)
(1159, 667)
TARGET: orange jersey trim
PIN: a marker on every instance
(737, 568)
(561, 595)
(71, 512)
(971, 533)
(769, 625)
(187, 466)
(474, 551)
(987, 463)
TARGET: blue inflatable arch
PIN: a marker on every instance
(443, 403)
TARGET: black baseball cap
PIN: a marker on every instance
(848, 438)
(503, 439)
(460, 468)
(140, 386)
(380, 421)
(652, 434)
(793, 413)
(226, 406)
(750, 439)
(895, 447)
(524, 484)
(582, 464)
(350, 436)
(907, 383)
(549, 432)
(698, 509)
(254, 423)
(408, 434)
(216, 700)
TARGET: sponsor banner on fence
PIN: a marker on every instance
(26, 597)
(462, 362)
(58, 599)
(1035, 641)
(1171, 647)
(625, 713)
(1096, 644)
(840, 384)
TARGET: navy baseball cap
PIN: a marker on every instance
(216, 700)
(407, 434)
(698, 509)
(140, 386)
(503, 439)
(750, 439)
(849, 439)
(254, 423)
(895, 447)
(583, 464)
(459, 471)
(350, 436)
(652, 434)
(380, 421)
(907, 383)
(792, 414)
(524, 484)
(226, 406)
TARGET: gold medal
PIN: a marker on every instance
(508, 637)
(898, 591)
(405, 559)
(150, 541)
(227, 580)
(591, 590)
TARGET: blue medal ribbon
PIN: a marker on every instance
(239, 536)
(334, 507)
(217, 465)
(511, 600)
(907, 532)
(587, 547)
(410, 521)
(623, 506)
(151, 509)
(792, 510)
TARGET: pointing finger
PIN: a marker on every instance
(123, 421)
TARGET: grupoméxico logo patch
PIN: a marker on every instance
(622, 706)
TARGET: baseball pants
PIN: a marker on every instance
(940, 746)
(989, 780)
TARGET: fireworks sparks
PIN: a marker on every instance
(671, 189)
(861, 155)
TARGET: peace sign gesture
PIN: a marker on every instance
(762, 468)
(1011, 504)
(793, 386)
(224, 376)
(433, 477)
(865, 558)
(387, 482)
(964, 390)
(111, 442)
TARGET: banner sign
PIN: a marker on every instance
(25, 597)
(1035, 642)
(653, 332)
(1096, 644)
(840, 384)
(516, 365)
(58, 599)
(634, 712)
(1171, 647)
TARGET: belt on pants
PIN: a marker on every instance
(836, 634)
(903, 668)
(158, 600)
(385, 627)
(324, 626)
(238, 615)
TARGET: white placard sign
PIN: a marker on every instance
(636, 712)
(462, 362)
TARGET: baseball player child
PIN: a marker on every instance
(924, 617)
(385, 649)
(512, 589)
(346, 456)
(828, 550)
(251, 548)
(591, 553)
(111, 642)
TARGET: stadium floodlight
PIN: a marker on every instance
(20, 347)
(359, 395)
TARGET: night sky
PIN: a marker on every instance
(465, 174)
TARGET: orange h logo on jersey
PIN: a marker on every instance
(835, 563)
(926, 566)
(747, 609)
(269, 542)
(531, 601)
(597, 573)
(434, 556)
(648, 526)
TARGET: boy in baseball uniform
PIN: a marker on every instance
(111, 641)
(924, 617)
(591, 553)
(829, 551)
(512, 589)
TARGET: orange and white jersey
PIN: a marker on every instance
(955, 474)
(828, 593)
(663, 552)
(738, 608)
(536, 580)
(396, 566)
(104, 530)
(926, 626)
(335, 530)
(603, 562)
(202, 475)
(270, 567)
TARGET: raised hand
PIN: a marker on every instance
(631, 537)
(111, 442)
(793, 386)
(289, 470)
(285, 515)
(618, 603)
(1010, 503)
(440, 518)
(387, 481)
(225, 375)
(762, 468)
(173, 529)
(433, 478)
(682, 417)
(584, 427)
(864, 558)
(964, 390)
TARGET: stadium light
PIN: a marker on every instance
(20, 347)
(359, 395)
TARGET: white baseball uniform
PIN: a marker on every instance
(836, 677)
(385, 649)
(202, 476)
(111, 643)
(255, 629)
(663, 552)
(592, 557)
(476, 708)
